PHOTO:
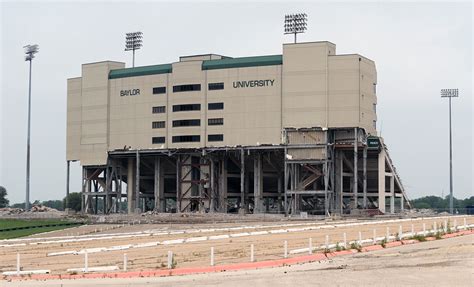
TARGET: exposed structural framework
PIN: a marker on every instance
(283, 133)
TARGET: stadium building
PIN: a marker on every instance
(285, 133)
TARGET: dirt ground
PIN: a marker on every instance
(447, 262)
(188, 254)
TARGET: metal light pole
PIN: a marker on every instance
(450, 93)
(30, 51)
(133, 41)
(295, 23)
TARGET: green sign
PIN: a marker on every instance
(373, 142)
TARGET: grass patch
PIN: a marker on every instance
(31, 226)
(420, 238)
(384, 243)
(339, 247)
(356, 246)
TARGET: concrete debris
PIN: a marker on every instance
(42, 208)
(34, 209)
(10, 211)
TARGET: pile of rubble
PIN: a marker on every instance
(10, 211)
(34, 208)
(42, 208)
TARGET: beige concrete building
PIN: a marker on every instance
(279, 133)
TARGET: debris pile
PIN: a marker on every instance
(42, 208)
(35, 209)
(10, 211)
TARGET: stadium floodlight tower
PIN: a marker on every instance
(133, 41)
(450, 93)
(30, 51)
(295, 23)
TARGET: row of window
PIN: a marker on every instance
(188, 138)
(188, 107)
(188, 123)
(188, 88)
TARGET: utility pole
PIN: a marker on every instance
(450, 93)
(30, 51)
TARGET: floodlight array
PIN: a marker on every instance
(30, 51)
(449, 93)
(295, 23)
(133, 41)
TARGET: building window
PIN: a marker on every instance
(186, 139)
(159, 90)
(215, 106)
(158, 140)
(375, 108)
(215, 138)
(215, 122)
(159, 110)
(158, 125)
(186, 88)
(186, 123)
(375, 125)
(215, 86)
(375, 88)
(185, 108)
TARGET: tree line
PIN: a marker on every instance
(442, 204)
(74, 202)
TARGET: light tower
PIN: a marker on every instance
(295, 23)
(450, 93)
(133, 41)
(30, 51)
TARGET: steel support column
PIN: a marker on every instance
(364, 175)
(392, 194)
(223, 185)
(257, 184)
(381, 179)
(137, 183)
(67, 185)
(285, 183)
(130, 185)
(242, 181)
(159, 190)
(355, 177)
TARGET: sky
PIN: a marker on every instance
(419, 48)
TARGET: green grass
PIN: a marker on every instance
(12, 223)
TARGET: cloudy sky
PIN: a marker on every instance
(419, 48)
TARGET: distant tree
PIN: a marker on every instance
(442, 204)
(3, 197)
(74, 201)
(56, 204)
(18, 205)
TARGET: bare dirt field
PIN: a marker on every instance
(447, 262)
(147, 245)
